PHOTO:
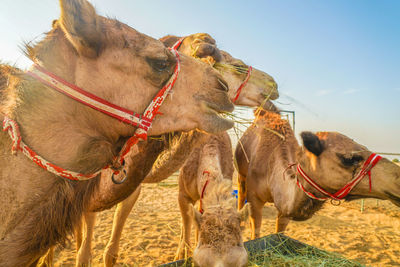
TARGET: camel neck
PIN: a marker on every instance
(61, 130)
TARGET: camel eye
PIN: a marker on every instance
(158, 64)
(350, 161)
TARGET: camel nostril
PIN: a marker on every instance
(224, 85)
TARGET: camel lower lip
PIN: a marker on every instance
(216, 112)
(216, 120)
(212, 107)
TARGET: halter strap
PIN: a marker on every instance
(178, 43)
(345, 190)
(201, 210)
(143, 122)
(18, 145)
(86, 97)
(239, 90)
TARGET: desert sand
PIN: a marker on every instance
(152, 230)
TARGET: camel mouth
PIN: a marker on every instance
(218, 120)
(270, 94)
(213, 108)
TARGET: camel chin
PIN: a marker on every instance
(215, 124)
(212, 120)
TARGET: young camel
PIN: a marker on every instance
(207, 177)
(114, 62)
(259, 87)
(330, 159)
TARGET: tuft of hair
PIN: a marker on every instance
(9, 79)
(220, 223)
(220, 195)
(272, 121)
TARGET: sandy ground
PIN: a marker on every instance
(152, 231)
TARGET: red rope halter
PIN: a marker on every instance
(345, 190)
(239, 90)
(178, 43)
(143, 122)
(201, 210)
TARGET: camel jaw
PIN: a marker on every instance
(216, 122)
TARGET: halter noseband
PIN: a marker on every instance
(143, 122)
(345, 190)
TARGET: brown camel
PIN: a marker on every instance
(329, 158)
(207, 176)
(116, 63)
(259, 87)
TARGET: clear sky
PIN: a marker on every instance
(337, 62)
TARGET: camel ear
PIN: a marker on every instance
(169, 40)
(81, 25)
(244, 212)
(195, 214)
(312, 143)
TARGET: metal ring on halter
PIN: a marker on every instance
(336, 202)
(121, 181)
(123, 170)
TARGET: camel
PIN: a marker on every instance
(207, 177)
(117, 67)
(259, 87)
(203, 46)
(330, 159)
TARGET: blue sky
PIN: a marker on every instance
(337, 62)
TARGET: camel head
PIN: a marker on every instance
(332, 160)
(128, 68)
(260, 85)
(220, 239)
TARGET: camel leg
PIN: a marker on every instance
(46, 260)
(78, 234)
(184, 242)
(122, 212)
(281, 223)
(255, 217)
(37, 263)
(242, 191)
(196, 236)
(84, 254)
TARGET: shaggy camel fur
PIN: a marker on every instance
(112, 61)
(259, 87)
(207, 176)
(331, 159)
